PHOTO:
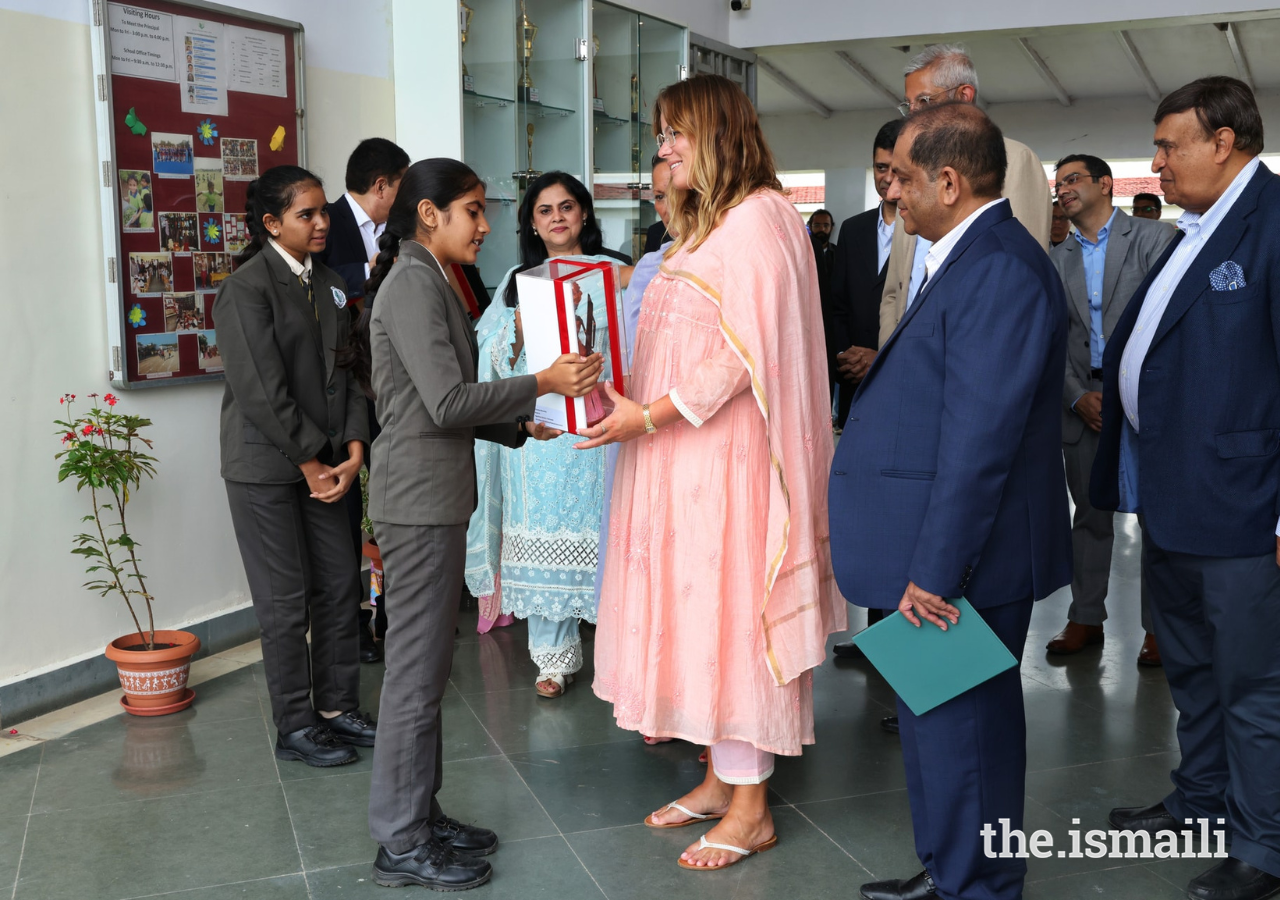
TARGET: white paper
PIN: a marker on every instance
(141, 42)
(202, 65)
(541, 327)
(256, 62)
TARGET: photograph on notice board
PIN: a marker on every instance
(137, 213)
(209, 356)
(157, 354)
(235, 232)
(172, 155)
(183, 312)
(239, 159)
(209, 197)
(211, 270)
(178, 233)
(150, 274)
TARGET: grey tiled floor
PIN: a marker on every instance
(195, 806)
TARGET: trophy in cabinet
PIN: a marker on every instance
(635, 117)
(596, 103)
(464, 26)
(528, 34)
(524, 178)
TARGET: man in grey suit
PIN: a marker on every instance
(1101, 266)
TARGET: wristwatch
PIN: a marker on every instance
(523, 434)
(649, 427)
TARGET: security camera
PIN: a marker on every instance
(739, 5)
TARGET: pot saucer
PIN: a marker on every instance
(188, 697)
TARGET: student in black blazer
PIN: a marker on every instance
(293, 430)
(420, 347)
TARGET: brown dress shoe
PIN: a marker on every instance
(1074, 638)
(1149, 655)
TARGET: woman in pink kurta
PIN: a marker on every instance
(718, 594)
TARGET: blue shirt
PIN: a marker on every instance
(917, 269)
(1095, 263)
(1197, 228)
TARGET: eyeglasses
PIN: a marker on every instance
(1071, 181)
(1147, 209)
(906, 106)
(669, 135)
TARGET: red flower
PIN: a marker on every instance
(97, 430)
(87, 430)
(62, 399)
(111, 399)
(93, 395)
(69, 436)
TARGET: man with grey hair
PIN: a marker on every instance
(937, 74)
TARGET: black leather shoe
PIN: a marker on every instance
(1151, 819)
(1232, 879)
(890, 724)
(433, 865)
(848, 650)
(469, 839)
(370, 652)
(354, 727)
(315, 746)
(918, 888)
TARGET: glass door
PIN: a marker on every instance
(615, 43)
(662, 62)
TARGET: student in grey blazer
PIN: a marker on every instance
(1101, 264)
(293, 430)
(421, 358)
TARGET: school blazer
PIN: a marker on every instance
(429, 405)
(286, 401)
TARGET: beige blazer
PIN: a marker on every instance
(1026, 189)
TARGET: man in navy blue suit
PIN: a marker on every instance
(1191, 439)
(949, 482)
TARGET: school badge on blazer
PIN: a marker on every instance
(339, 298)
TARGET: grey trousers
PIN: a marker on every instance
(1092, 539)
(422, 568)
(302, 575)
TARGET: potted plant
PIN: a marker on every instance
(104, 451)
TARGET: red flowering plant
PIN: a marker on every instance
(104, 451)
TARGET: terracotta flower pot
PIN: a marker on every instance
(154, 681)
(371, 551)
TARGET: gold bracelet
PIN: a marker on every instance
(649, 427)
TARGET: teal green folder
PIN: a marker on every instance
(927, 666)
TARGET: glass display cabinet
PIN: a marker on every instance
(563, 85)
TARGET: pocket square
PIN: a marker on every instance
(1227, 277)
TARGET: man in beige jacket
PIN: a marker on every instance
(940, 73)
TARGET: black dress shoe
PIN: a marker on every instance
(315, 746)
(433, 865)
(890, 724)
(370, 652)
(1232, 879)
(354, 727)
(848, 650)
(917, 888)
(469, 839)
(1151, 819)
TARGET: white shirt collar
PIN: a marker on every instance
(297, 268)
(357, 210)
(1195, 224)
(943, 246)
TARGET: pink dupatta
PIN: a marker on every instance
(758, 268)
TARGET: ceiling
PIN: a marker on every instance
(1087, 61)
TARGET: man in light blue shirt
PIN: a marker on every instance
(1101, 266)
(1191, 438)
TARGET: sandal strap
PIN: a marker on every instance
(688, 812)
(558, 679)
(714, 846)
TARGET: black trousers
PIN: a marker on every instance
(1219, 634)
(355, 513)
(424, 566)
(297, 558)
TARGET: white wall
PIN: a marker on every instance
(51, 260)
(1113, 129)
(770, 23)
(709, 18)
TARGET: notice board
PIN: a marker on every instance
(194, 102)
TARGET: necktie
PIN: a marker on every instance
(923, 282)
(305, 280)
